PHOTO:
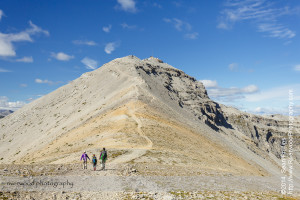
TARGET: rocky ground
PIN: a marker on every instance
(172, 195)
(128, 181)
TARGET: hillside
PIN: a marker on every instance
(148, 113)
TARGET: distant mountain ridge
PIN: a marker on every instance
(4, 113)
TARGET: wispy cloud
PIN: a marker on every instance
(278, 93)
(110, 47)
(227, 94)
(89, 63)
(26, 59)
(61, 56)
(84, 42)
(178, 24)
(23, 85)
(107, 29)
(177, 3)
(233, 66)
(209, 83)
(126, 26)
(191, 36)
(182, 26)
(157, 5)
(1, 14)
(268, 110)
(297, 68)
(262, 13)
(4, 70)
(10, 105)
(273, 100)
(40, 81)
(6, 40)
(34, 29)
(127, 5)
(231, 94)
(276, 31)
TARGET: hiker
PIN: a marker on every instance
(103, 158)
(94, 161)
(84, 157)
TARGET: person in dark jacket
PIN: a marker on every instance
(103, 158)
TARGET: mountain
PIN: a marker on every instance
(149, 113)
(4, 113)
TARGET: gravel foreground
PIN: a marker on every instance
(171, 195)
(125, 182)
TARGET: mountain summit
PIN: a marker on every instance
(146, 112)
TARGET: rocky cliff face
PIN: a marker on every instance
(266, 132)
(188, 92)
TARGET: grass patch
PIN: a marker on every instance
(286, 198)
(117, 153)
(181, 194)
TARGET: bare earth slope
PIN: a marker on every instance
(145, 112)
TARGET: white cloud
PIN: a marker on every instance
(268, 110)
(62, 56)
(178, 24)
(4, 70)
(177, 4)
(110, 47)
(250, 89)
(182, 26)
(231, 94)
(167, 20)
(107, 29)
(126, 26)
(262, 13)
(35, 30)
(85, 42)
(89, 63)
(6, 40)
(276, 31)
(209, 83)
(127, 5)
(233, 66)
(157, 5)
(37, 80)
(23, 85)
(222, 25)
(1, 14)
(25, 59)
(278, 93)
(191, 36)
(297, 68)
(10, 105)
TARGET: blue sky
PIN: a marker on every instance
(245, 52)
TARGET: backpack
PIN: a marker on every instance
(104, 155)
(94, 160)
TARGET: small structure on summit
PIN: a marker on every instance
(154, 59)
